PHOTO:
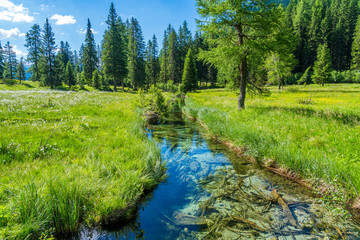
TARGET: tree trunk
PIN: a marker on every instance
(242, 71)
(115, 90)
(243, 81)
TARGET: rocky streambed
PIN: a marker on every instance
(211, 193)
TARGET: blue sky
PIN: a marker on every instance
(69, 17)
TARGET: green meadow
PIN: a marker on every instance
(69, 159)
(311, 130)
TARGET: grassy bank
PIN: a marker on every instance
(312, 130)
(70, 158)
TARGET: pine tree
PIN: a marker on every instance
(90, 59)
(355, 53)
(234, 29)
(185, 42)
(173, 57)
(60, 68)
(164, 74)
(10, 60)
(33, 45)
(202, 67)
(136, 50)
(47, 63)
(1, 61)
(104, 82)
(96, 81)
(80, 80)
(152, 62)
(20, 71)
(189, 78)
(70, 75)
(114, 47)
(322, 66)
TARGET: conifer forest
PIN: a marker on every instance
(242, 122)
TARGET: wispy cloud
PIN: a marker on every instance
(14, 13)
(12, 33)
(18, 52)
(83, 31)
(63, 20)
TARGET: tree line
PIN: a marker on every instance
(122, 59)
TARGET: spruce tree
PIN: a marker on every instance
(96, 81)
(70, 75)
(47, 62)
(236, 31)
(20, 71)
(355, 52)
(164, 74)
(152, 62)
(322, 66)
(185, 42)
(90, 59)
(114, 47)
(104, 82)
(33, 45)
(136, 51)
(173, 57)
(189, 78)
(1, 61)
(10, 60)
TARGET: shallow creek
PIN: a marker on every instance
(211, 193)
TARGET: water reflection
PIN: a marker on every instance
(211, 193)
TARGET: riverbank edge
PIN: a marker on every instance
(317, 186)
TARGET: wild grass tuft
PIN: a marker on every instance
(319, 141)
(75, 159)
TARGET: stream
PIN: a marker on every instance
(211, 193)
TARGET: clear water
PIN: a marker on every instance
(207, 191)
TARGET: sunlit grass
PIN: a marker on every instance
(311, 129)
(70, 158)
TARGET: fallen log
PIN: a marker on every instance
(285, 208)
(249, 223)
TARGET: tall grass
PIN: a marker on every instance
(68, 159)
(319, 140)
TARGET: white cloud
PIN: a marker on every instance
(14, 13)
(43, 7)
(18, 52)
(63, 20)
(83, 31)
(12, 33)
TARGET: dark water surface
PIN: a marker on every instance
(211, 193)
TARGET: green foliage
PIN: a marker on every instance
(10, 61)
(306, 77)
(152, 62)
(136, 51)
(33, 45)
(96, 81)
(322, 67)
(239, 37)
(355, 51)
(154, 104)
(1, 61)
(323, 21)
(66, 165)
(47, 61)
(89, 59)
(318, 139)
(80, 80)
(20, 70)
(190, 78)
(114, 45)
(70, 75)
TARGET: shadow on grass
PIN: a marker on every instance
(345, 118)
